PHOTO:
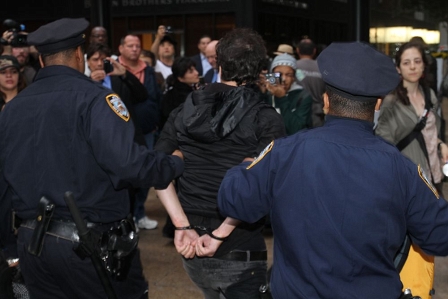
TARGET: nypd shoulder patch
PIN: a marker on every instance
(117, 106)
(261, 155)
(427, 181)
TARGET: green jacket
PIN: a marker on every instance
(295, 109)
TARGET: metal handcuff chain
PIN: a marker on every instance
(204, 229)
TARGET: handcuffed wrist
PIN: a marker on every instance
(184, 227)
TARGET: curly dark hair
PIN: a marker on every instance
(240, 54)
(401, 91)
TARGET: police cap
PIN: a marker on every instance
(59, 35)
(357, 71)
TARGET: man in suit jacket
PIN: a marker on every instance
(200, 59)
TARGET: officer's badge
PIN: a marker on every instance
(261, 155)
(117, 105)
(427, 181)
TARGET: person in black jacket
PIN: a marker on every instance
(218, 127)
(184, 80)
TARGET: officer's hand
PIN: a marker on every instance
(98, 75)
(119, 69)
(277, 90)
(207, 246)
(185, 241)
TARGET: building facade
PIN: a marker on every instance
(278, 21)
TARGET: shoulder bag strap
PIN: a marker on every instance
(418, 127)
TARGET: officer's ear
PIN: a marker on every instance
(79, 54)
(326, 107)
(41, 62)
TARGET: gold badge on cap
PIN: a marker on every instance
(262, 155)
(427, 181)
(117, 105)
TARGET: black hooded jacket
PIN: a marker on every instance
(215, 129)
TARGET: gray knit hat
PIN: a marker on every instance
(284, 59)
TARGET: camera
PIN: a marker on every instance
(169, 30)
(108, 67)
(18, 40)
(273, 78)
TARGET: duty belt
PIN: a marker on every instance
(58, 228)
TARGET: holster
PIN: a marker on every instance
(45, 212)
(118, 247)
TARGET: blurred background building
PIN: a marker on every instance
(384, 23)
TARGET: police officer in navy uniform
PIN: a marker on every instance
(340, 198)
(67, 133)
